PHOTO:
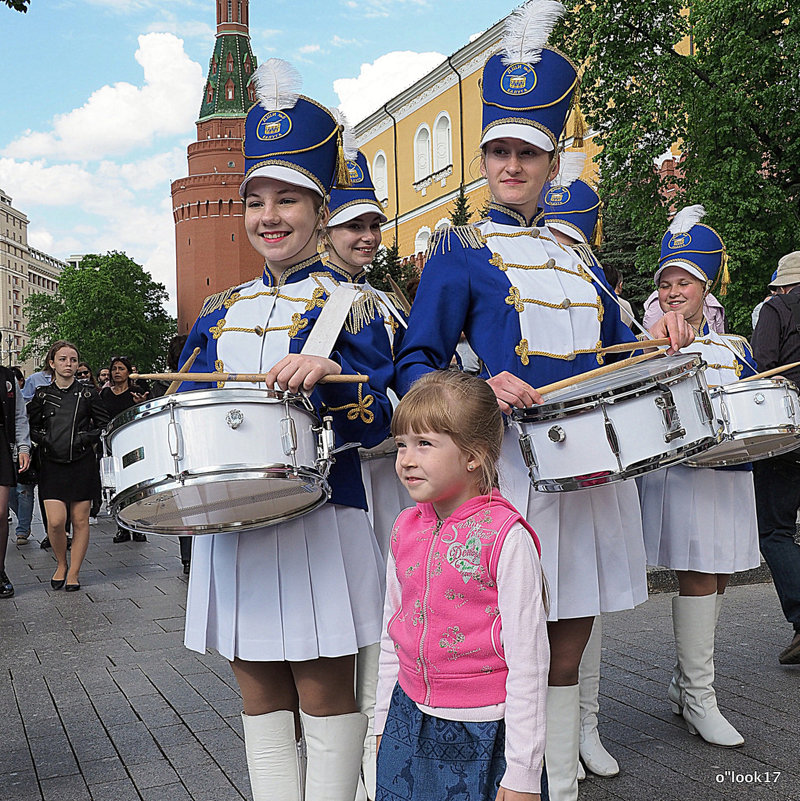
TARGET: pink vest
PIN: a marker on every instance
(447, 629)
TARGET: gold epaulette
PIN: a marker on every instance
(363, 311)
(468, 235)
(740, 345)
(215, 302)
(586, 254)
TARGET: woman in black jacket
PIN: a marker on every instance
(66, 419)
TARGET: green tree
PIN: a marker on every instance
(721, 80)
(107, 305)
(387, 263)
(18, 5)
(461, 213)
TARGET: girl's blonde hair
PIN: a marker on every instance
(461, 406)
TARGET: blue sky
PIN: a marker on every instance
(100, 97)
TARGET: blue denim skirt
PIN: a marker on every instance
(423, 757)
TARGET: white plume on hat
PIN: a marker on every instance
(570, 169)
(348, 134)
(527, 31)
(686, 218)
(277, 84)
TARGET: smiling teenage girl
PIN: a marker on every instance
(701, 522)
(290, 604)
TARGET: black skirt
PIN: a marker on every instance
(71, 481)
(8, 475)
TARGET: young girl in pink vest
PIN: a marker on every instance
(464, 653)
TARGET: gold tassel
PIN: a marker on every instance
(597, 234)
(724, 275)
(342, 173)
(579, 127)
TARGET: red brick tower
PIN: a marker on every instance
(212, 252)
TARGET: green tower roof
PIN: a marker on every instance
(225, 93)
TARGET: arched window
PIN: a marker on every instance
(229, 89)
(443, 223)
(229, 62)
(380, 177)
(422, 153)
(421, 239)
(209, 93)
(251, 93)
(247, 67)
(442, 147)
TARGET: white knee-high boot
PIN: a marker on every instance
(561, 746)
(694, 619)
(366, 688)
(272, 756)
(592, 751)
(675, 689)
(334, 746)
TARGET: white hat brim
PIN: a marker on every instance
(684, 265)
(575, 234)
(280, 173)
(348, 213)
(513, 130)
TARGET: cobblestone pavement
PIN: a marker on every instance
(100, 700)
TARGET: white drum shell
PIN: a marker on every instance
(760, 419)
(215, 460)
(572, 446)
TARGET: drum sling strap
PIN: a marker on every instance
(329, 324)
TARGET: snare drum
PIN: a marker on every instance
(619, 425)
(217, 460)
(760, 419)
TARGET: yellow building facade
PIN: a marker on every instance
(422, 146)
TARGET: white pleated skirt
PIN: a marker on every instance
(386, 497)
(592, 548)
(308, 588)
(700, 519)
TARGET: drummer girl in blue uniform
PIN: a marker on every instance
(534, 313)
(350, 241)
(572, 212)
(701, 522)
(290, 604)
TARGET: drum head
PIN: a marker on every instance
(222, 502)
(660, 368)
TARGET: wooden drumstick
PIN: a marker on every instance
(773, 371)
(609, 368)
(173, 387)
(401, 298)
(624, 347)
(252, 378)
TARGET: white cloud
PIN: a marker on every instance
(381, 80)
(120, 117)
(309, 48)
(381, 8)
(338, 41)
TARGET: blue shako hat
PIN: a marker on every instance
(527, 89)
(349, 202)
(696, 248)
(288, 136)
(570, 204)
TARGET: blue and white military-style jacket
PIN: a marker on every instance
(249, 328)
(728, 357)
(394, 319)
(526, 303)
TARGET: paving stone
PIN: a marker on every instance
(153, 774)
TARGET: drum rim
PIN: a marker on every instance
(573, 483)
(557, 410)
(775, 382)
(148, 489)
(200, 397)
(790, 445)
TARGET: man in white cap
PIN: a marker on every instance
(776, 341)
